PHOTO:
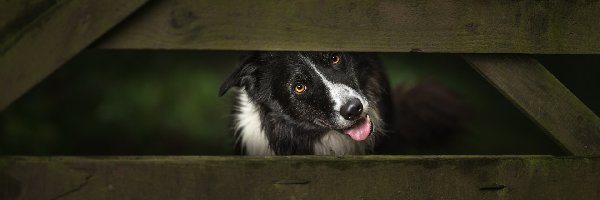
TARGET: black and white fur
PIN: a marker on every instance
(271, 119)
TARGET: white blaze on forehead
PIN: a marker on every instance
(340, 93)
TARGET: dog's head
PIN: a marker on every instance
(320, 90)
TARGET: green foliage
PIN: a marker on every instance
(124, 102)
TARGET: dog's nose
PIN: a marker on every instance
(351, 109)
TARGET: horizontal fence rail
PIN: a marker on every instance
(301, 177)
(463, 26)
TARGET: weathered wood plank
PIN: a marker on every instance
(543, 98)
(37, 42)
(15, 14)
(469, 26)
(360, 177)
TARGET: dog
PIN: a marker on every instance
(318, 103)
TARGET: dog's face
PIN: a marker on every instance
(318, 90)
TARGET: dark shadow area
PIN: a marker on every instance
(579, 73)
(148, 102)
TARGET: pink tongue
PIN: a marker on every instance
(361, 130)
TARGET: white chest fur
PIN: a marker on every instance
(335, 143)
(247, 122)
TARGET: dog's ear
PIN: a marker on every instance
(243, 76)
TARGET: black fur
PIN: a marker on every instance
(293, 122)
(426, 117)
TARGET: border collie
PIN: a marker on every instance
(320, 103)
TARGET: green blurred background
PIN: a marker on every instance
(155, 102)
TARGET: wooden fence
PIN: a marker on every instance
(38, 36)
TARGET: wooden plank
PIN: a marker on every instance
(462, 26)
(543, 98)
(15, 14)
(301, 177)
(41, 39)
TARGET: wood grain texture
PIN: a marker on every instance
(462, 26)
(316, 177)
(43, 37)
(543, 98)
(16, 14)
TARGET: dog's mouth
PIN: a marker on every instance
(361, 129)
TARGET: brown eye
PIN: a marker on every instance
(299, 88)
(335, 59)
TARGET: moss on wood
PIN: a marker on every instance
(302, 177)
(464, 26)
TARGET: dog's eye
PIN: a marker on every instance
(299, 88)
(335, 59)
